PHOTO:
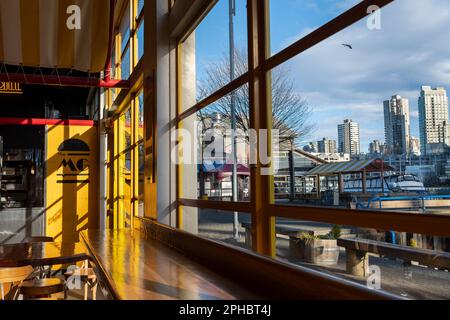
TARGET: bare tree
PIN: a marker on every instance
(291, 113)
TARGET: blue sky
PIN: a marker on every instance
(411, 49)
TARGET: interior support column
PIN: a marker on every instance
(263, 221)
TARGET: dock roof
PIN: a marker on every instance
(370, 165)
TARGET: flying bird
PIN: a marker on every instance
(347, 45)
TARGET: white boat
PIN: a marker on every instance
(392, 183)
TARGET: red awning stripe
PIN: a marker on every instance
(45, 122)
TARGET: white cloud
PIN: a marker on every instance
(411, 49)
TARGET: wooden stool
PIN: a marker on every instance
(42, 288)
(43, 271)
(12, 276)
(88, 276)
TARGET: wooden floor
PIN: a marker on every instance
(139, 269)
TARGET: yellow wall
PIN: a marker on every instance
(71, 182)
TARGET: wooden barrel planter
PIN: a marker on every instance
(322, 252)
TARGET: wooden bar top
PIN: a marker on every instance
(41, 254)
(141, 269)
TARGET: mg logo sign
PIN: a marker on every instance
(80, 165)
(75, 164)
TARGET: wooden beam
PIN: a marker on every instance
(216, 205)
(429, 224)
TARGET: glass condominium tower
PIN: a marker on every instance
(348, 136)
(397, 126)
(433, 118)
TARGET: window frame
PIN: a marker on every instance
(262, 206)
(125, 100)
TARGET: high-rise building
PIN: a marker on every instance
(433, 118)
(375, 147)
(397, 128)
(348, 137)
(326, 146)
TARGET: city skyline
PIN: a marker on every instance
(399, 108)
(339, 83)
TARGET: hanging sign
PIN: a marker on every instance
(10, 88)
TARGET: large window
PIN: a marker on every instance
(126, 144)
(125, 173)
(215, 158)
(129, 40)
(124, 41)
(358, 147)
(138, 31)
(139, 105)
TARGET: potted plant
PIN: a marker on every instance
(319, 250)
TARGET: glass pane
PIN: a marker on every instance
(402, 263)
(127, 191)
(369, 121)
(292, 20)
(140, 104)
(125, 28)
(125, 65)
(141, 164)
(140, 6)
(208, 151)
(140, 40)
(211, 64)
(113, 71)
(220, 225)
(141, 150)
(127, 131)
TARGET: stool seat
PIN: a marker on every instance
(41, 287)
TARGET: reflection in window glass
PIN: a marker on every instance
(141, 116)
(141, 164)
(125, 28)
(141, 153)
(140, 41)
(125, 65)
(125, 168)
(127, 191)
(113, 71)
(140, 6)
(292, 20)
(127, 131)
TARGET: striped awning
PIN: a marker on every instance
(370, 165)
(35, 33)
